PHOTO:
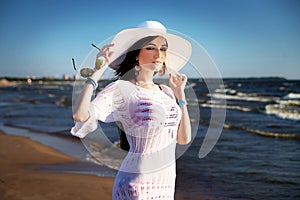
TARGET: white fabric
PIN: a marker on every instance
(150, 120)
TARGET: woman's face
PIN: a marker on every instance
(153, 54)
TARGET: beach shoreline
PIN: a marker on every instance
(21, 177)
(23, 174)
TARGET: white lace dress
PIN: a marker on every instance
(150, 120)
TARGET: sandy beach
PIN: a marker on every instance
(20, 177)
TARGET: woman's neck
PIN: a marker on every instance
(144, 78)
(146, 81)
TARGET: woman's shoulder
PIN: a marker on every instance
(111, 85)
(115, 84)
(107, 88)
(120, 86)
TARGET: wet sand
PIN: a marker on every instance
(20, 177)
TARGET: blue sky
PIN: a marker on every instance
(245, 38)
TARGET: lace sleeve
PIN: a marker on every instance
(107, 103)
(104, 108)
(81, 129)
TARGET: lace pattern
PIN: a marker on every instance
(150, 120)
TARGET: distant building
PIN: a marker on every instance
(66, 77)
(29, 81)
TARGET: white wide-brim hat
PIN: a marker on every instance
(179, 49)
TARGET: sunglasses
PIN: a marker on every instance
(85, 72)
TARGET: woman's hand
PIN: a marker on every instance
(103, 53)
(177, 83)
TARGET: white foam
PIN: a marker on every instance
(190, 85)
(292, 96)
(226, 90)
(243, 97)
(286, 109)
(289, 102)
(213, 105)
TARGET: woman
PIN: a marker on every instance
(154, 117)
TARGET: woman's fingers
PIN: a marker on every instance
(178, 78)
(177, 82)
(183, 77)
(107, 47)
(171, 80)
(105, 51)
(110, 54)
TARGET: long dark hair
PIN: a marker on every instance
(125, 70)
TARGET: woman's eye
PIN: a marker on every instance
(153, 48)
(149, 48)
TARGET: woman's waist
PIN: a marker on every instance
(147, 163)
(153, 147)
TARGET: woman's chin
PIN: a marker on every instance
(153, 67)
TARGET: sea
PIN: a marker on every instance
(256, 156)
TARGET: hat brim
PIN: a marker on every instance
(178, 53)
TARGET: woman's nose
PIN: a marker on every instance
(157, 54)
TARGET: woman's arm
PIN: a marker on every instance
(81, 113)
(177, 83)
(184, 129)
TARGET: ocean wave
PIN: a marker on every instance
(243, 96)
(263, 133)
(286, 109)
(110, 156)
(292, 96)
(191, 85)
(225, 90)
(213, 105)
